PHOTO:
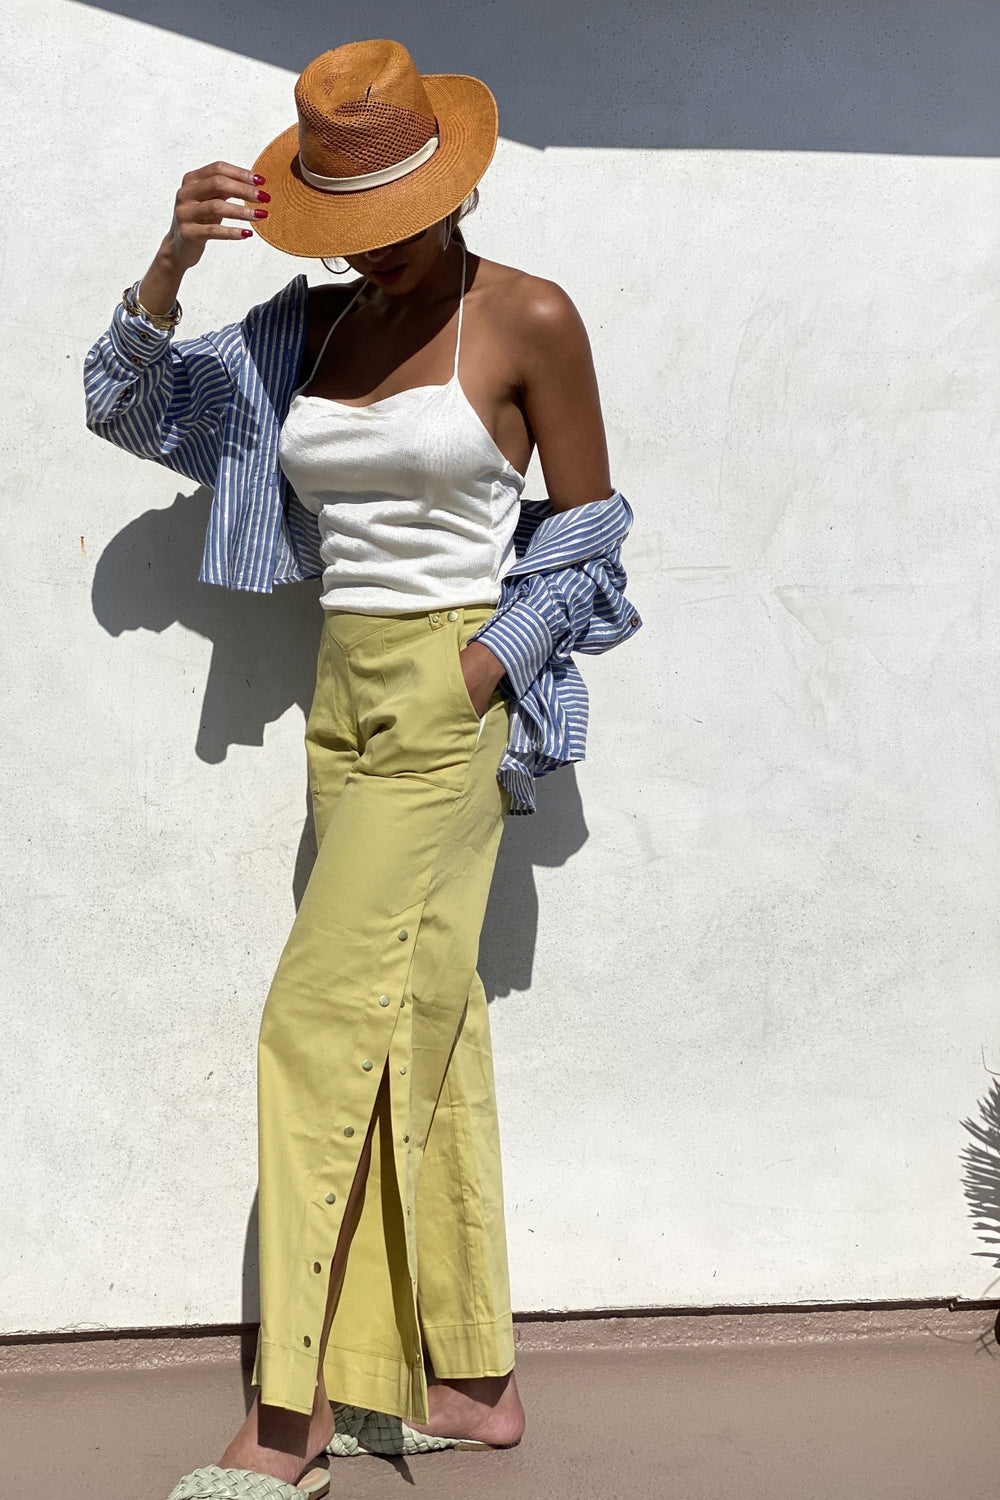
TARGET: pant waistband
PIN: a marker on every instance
(349, 628)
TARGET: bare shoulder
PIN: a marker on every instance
(329, 298)
(536, 310)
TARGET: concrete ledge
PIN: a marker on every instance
(165, 1348)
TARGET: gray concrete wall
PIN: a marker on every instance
(744, 961)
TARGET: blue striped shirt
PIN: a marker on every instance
(211, 408)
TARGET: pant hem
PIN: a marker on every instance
(375, 1382)
(464, 1351)
(289, 1377)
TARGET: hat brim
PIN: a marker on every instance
(303, 220)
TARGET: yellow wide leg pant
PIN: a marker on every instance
(378, 980)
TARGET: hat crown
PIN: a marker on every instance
(362, 107)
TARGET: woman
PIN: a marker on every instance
(379, 434)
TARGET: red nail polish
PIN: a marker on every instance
(263, 197)
(257, 178)
(246, 233)
(260, 213)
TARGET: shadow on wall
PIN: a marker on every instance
(263, 646)
(250, 1304)
(549, 837)
(263, 661)
(981, 1178)
(907, 76)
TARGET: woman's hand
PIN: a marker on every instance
(201, 205)
(200, 209)
(482, 672)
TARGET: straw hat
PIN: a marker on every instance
(380, 152)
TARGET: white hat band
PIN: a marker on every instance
(371, 179)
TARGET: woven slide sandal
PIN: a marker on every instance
(213, 1483)
(372, 1432)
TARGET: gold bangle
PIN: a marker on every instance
(135, 309)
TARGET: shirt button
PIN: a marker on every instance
(634, 620)
(402, 934)
(402, 1070)
(435, 619)
(331, 1197)
(348, 1131)
(317, 1267)
(367, 1064)
(307, 1341)
(453, 615)
(383, 1000)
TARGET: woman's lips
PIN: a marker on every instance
(389, 275)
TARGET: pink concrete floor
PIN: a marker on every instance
(908, 1417)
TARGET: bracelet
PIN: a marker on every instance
(135, 309)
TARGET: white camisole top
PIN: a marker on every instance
(416, 503)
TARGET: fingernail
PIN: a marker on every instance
(257, 177)
(263, 197)
(246, 233)
(260, 213)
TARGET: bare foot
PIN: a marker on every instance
(278, 1442)
(487, 1410)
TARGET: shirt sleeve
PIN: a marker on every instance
(158, 398)
(567, 593)
(535, 625)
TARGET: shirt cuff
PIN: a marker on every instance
(521, 640)
(136, 342)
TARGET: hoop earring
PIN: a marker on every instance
(336, 270)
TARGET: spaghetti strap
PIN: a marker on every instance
(461, 308)
(342, 314)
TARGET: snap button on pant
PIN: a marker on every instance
(378, 981)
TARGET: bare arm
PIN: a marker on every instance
(563, 407)
(561, 400)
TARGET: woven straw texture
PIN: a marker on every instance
(363, 107)
(361, 1432)
(213, 1483)
(364, 136)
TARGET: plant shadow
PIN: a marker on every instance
(981, 1178)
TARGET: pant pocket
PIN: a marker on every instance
(464, 704)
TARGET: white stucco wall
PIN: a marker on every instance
(744, 961)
